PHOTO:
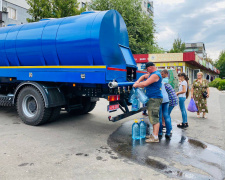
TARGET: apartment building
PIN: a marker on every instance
(13, 12)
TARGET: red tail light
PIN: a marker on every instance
(114, 98)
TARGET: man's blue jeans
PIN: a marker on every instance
(170, 109)
(183, 109)
(164, 110)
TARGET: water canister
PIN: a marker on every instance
(135, 105)
(142, 129)
(135, 130)
(141, 95)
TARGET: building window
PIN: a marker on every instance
(11, 13)
(145, 4)
(83, 5)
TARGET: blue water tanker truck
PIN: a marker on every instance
(67, 64)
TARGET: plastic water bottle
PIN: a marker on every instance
(141, 96)
(142, 129)
(135, 105)
(135, 130)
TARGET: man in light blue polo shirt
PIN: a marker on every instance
(165, 74)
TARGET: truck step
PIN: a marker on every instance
(6, 100)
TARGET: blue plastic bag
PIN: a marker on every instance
(192, 106)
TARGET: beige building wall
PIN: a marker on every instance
(167, 57)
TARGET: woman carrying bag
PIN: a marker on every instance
(200, 93)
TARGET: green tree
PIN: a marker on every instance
(157, 50)
(40, 9)
(208, 59)
(65, 8)
(220, 64)
(178, 46)
(140, 27)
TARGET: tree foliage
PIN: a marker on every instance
(220, 64)
(40, 9)
(140, 27)
(65, 8)
(178, 46)
(208, 59)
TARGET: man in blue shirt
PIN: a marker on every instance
(165, 75)
(153, 86)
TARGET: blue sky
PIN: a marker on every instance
(192, 21)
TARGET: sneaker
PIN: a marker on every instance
(182, 125)
(144, 114)
(152, 140)
(168, 137)
(160, 136)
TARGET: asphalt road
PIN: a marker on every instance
(76, 147)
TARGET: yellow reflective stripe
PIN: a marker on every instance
(67, 67)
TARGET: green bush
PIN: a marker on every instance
(215, 83)
(222, 84)
(218, 83)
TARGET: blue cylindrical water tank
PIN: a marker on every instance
(87, 39)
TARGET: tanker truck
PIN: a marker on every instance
(67, 64)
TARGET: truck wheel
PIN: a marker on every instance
(31, 107)
(55, 114)
(84, 110)
(93, 104)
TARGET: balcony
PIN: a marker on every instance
(150, 7)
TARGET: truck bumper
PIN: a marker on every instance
(127, 114)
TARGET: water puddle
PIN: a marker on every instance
(180, 157)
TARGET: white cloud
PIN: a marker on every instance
(194, 21)
(213, 53)
(214, 21)
(169, 2)
(200, 35)
(166, 37)
(216, 6)
(214, 48)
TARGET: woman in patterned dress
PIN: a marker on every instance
(199, 86)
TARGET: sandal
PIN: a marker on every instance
(152, 140)
(182, 125)
(198, 116)
(149, 136)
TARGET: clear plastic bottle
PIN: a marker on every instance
(142, 129)
(135, 105)
(141, 96)
(135, 130)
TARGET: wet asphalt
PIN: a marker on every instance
(180, 157)
(91, 147)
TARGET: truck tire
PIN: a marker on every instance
(84, 110)
(55, 114)
(31, 107)
(93, 104)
